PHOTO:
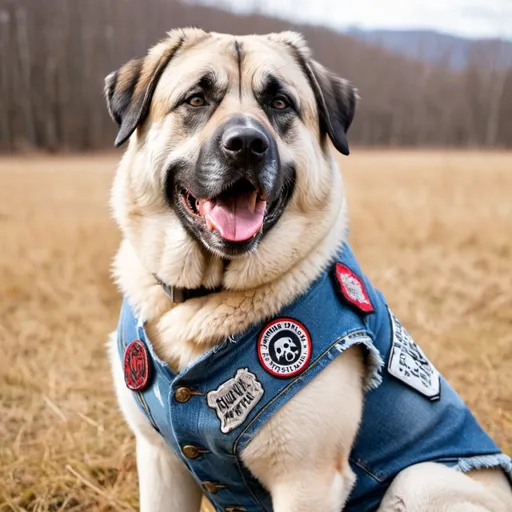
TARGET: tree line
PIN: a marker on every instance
(54, 55)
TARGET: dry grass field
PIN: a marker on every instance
(432, 229)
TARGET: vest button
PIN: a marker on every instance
(235, 508)
(191, 452)
(212, 487)
(182, 395)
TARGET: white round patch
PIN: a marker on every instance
(284, 347)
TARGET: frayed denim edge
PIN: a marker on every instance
(486, 461)
(373, 377)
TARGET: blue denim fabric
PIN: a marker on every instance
(400, 426)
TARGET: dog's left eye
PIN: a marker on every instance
(280, 103)
(196, 100)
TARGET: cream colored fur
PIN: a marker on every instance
(301, 458)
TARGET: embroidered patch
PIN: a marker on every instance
(284, 347)
(136, 366)
(235, 399)
(408, 363)
(353, 289)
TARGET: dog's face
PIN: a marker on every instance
(226, 132)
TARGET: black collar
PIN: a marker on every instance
(179, 295)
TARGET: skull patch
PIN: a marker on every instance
(285, 350)
(284, 347)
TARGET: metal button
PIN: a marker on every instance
(212, 487)
(182, 395)
(191, 452)
(235, 508)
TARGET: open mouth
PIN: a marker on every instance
(236, 215)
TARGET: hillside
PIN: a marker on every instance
(437, 47)
(54, 57)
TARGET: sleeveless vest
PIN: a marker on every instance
(210, 412)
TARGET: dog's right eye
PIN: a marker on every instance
(196, 100)
(280, 103)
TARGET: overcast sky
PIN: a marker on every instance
(471, 18)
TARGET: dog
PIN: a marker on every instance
(254, 361)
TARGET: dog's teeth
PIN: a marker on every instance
(252, 202)
(209, 223)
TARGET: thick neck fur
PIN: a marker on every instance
(257, 286)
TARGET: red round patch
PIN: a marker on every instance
(284, 347)
(136, 366)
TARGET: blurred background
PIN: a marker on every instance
(428, 180)
(419, 87)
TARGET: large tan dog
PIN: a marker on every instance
(228, 184)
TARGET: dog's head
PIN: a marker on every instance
(226, 134)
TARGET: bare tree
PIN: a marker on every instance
(55, 54)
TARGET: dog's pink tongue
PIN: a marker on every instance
(237, 218)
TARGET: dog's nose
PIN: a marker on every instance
(244, 144)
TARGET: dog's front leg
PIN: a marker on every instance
(165, 484)
(312, 492)
(431, 487)
(301, 454)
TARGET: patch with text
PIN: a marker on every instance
(284, 347)
(235, 399)
(408, 363)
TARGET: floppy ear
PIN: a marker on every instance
(129, 90)
(336, 100)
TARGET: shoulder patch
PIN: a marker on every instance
(235, 399)
(136, 366)
(352, 288)
(408, 363)
(284, 347)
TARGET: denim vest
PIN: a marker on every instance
(209, 412)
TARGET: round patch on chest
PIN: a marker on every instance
(136, 366)
(284, 347)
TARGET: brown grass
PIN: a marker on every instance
(433, 230)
